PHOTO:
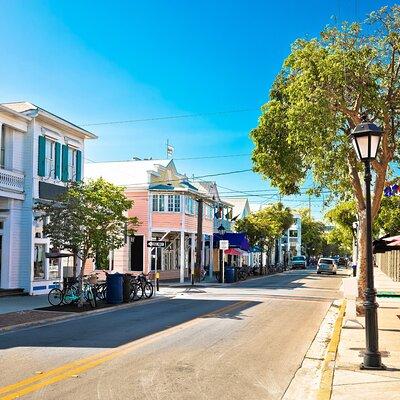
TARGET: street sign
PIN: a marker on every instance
(224, 244)
(155, 243)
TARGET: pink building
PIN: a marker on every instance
(166, 204)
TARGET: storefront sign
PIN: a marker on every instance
(224, 244)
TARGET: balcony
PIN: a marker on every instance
(11, 181)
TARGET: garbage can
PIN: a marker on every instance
(354, 266)
(126, 288)
(114, 288)
(230, 274)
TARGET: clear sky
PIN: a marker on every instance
(100, 61)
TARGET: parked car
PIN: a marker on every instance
(299, 262)
(327, 265)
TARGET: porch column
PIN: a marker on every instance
(182, 258)
(211, 255)
(192, 253)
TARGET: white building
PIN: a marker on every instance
(39, 153)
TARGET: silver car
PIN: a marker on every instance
(327, 265)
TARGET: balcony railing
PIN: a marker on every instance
(11, 181)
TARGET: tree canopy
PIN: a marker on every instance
(312, 234)
(88, 218)
(264, 226)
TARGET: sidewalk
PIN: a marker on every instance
(349, 381)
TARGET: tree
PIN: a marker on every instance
(319, 96)
(342, 216)
(265, 226)
(312, 234)
(388, 219)
(87, 220)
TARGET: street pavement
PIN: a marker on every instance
(234, 342)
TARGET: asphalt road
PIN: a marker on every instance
(244, 341)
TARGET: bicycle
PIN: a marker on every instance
(70, 293)
(146, 285)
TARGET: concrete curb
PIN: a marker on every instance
(84, 314)
(325, 389)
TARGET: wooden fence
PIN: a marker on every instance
(389, 263)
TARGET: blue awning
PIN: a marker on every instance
(236, 240)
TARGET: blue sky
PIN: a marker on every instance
(99, 61)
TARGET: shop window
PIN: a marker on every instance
(39, 262)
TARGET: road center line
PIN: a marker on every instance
(66, 371)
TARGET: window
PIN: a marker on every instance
(158, 202)
(54, 268)
(174, 203)
(50, 166)
(189, 205)
(39, 262)
(71, 164)
(2, 146)
(209, 211)
(293, 233)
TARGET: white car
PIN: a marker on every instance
(327, 265)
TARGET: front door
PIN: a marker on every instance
(137, 254)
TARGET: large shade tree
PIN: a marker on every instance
(88, 220)
(325, 86)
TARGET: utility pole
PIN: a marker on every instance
(199, 243)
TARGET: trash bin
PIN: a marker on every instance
(114, 288)
(230, 274)
(354, 266)
(126, 288)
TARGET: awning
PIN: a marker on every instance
(236, 240)
(233, 252)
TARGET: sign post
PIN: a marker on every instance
(154, 244)
(223, 245)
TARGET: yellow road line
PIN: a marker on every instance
(325, 388)
(67, 370)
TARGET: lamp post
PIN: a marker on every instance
(221, 231)
(366, 137)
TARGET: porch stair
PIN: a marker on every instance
(12, 292)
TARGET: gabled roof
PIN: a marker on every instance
(127, 173)
(241, 206)
(31, 110)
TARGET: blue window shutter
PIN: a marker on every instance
(57, 174)
(78, 165)
(64, 165)
(42, 156)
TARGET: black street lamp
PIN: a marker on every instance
(366, 137)
(221, 230)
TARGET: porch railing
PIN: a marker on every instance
(11, 180)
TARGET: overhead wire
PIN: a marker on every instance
(181, 116)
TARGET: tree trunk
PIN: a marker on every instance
(362, 262)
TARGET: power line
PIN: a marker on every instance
(129, 121)
(190, 158)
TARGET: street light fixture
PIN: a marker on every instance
(221, 230)
(366, 137)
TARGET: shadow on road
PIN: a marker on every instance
(119, 327)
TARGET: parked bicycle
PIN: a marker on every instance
(70, 292)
